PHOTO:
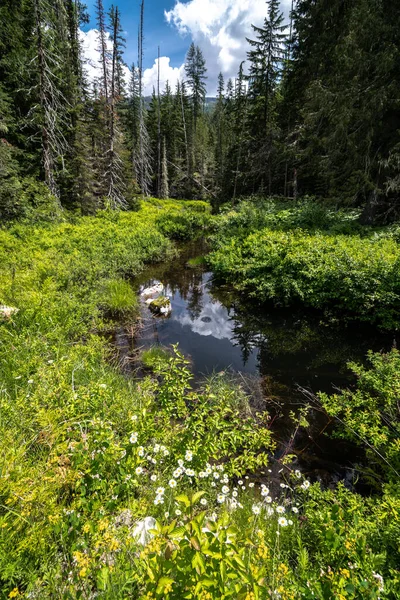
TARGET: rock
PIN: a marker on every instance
(6, 312)
(161, 306)
(142, 532)
(153, 291)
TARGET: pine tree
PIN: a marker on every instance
(195, 69)
(266, 60)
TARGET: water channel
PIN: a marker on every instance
(276, 354)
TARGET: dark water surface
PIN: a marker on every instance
(275, 351)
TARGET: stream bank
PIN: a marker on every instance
(279, 356)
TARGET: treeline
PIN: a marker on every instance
(315, 110)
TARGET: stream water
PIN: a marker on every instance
(273, 352)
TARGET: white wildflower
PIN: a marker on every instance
(225, 489)
(134, 438)
(220, 498)
(139, 470)
(282, 522)
(172, 483)
(256, 509)
(280, 510)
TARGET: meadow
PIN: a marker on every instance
(114, 487)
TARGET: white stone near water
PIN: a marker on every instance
(153, 291)
(6, 312)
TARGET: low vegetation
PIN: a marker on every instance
(309, 255)
(114, 488)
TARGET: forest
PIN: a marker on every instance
(199, 310)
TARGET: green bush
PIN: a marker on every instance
(352, 275)
(370, 414)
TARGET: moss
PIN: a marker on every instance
(159, 303)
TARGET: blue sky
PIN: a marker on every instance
(157, 30)
(219, 27)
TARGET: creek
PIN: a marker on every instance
(279, 356)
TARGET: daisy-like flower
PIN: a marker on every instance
(213, 484)
(166, 515)
(139, 470)
(234, 494)
(283, 485)
(280, 510)
(180, 462)
(251, 485)
(233, 504)
(216, 475)
(153, 460)
(203, 501)
(282, 522)
(290, 522)
(202, 475)
(134, 418)
(172, 483)
(268, 499)
(214, 517)
(305, 485)
(160, 491)
(157, 448)
(103, 386)
(153, 478)
(166, 452)
(225, 489)
(240, 482)
(189, 455)
(190, 473)
(30, 381)
(178, 512)
(159, 500)
(221, 498)
(297, 474)
(140, 451)
(177, 473)
(264, 491)
(225, 479)
(256, 509)
(208, 471)
(295, 510)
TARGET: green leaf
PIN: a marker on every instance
(164, 581)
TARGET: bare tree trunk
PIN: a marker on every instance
(185, 133)
(158, 129)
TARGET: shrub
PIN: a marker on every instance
(350, 274)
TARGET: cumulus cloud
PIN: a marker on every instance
(220, 28)
(167, 73)
(91, 54)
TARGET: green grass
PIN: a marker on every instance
(153, 357)
(120, 297)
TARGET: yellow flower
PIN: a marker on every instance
(14, 593)
(86, 528)
(345, 573)
(168, 588)
(83, 572)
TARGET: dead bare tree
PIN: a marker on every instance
(50, 113)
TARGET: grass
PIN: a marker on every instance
(120, 297)
(153, 357)
(86, 454)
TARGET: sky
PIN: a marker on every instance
(219, 27)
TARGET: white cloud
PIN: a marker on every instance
(91, 54)
(220, 28)
(167, 73)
